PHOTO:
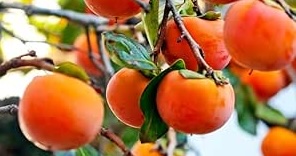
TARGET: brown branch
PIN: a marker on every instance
(98, 64)
(40, 63)
(196, 49)
(143, 5)
(287, 9)
(106, 61)
(116, 140)
(161, 34)
(198, 53)
(196, 7)
(9, 109)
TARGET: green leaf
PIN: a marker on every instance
(151, 24)
(154, 127)
(72, 70)
(87, 150)
(189, 74)
(271, 115)
(127, 52)
(244, 104)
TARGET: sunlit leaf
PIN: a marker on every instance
(271, 115)
(151, 22)
(72, 70)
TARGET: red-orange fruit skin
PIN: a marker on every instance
(58, 112)
(279, 141)
(119, 9)
(220, 1)
(258, 36)
(194, 106)
(208, 34)
(123, 95)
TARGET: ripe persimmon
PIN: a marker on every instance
(58, 112)
(259, 36)
(279, 141)
(208, 34)
(116, 9)
(145, 149)
(196, 105)
(265, 84)
(82, 57)
(123, 95)
(220, 1)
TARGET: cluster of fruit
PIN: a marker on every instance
(253, 35)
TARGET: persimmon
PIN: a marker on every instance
(82, 57)
(279, 141)
(123, 95)
(265, 84)
(220, 1)
(145, 149)
(209, 36)
(195, 106)
(259, 36)
(58, 112)
(116, 9)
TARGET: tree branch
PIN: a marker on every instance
(115, 139)
(287, 8)
(9, 109)
(196, 49)
(40, 63)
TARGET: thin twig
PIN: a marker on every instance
(196, 7)
(196, 49)
(40, 63)
(287, 9)
(184, 33)
(106, 61)
(143, 5)
(161, 34)
(115, 139)
(94, 60)
(60, 46)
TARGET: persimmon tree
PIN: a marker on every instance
(145, 74)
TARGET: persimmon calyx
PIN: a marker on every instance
(211, 15)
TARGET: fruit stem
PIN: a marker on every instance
(143, 5)
(196, 49)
